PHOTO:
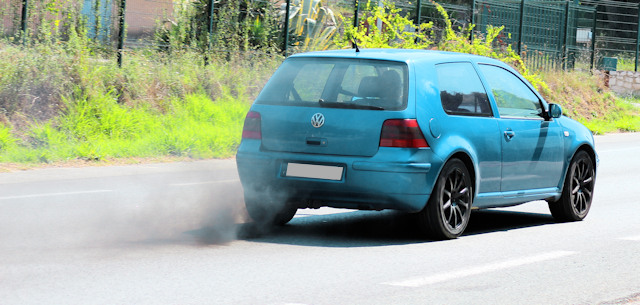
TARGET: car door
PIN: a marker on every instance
(470, 117)
(532, 147)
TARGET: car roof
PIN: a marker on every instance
(402, 55)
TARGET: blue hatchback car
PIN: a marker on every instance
(428, 132)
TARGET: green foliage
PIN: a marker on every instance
(66, 102)
(311, 26)
(97, 129)
(7, 140)
(623, 116)
(485, 46)
(102, 117)
(199, 128)
(50, 21)
(397, 31)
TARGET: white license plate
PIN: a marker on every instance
(314, 171)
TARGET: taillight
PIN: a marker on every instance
(402, 133)
(251, 129)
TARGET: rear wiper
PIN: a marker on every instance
(324, 103)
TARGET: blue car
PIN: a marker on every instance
(426, 132)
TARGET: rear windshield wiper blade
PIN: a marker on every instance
(324, 103)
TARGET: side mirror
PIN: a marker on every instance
(555, 111)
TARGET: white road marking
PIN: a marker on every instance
(205, 182)
(634, 238)
(456, 274)
(54, 194)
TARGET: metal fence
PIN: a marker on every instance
(557, 33)
(617, 32)
(549, 34)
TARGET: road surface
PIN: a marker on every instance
(177, 234)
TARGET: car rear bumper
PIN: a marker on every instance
(400, 179)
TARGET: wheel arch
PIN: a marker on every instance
(468, 162)
(586, 148)
(582, 147)
(591, 152)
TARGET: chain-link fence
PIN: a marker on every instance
(557, 33)
(549, 34)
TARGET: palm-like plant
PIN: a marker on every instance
(311, 25)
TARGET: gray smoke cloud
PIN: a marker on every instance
(117, 211)
(201, 213)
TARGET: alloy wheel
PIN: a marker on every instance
(456, 199)
(582, 186)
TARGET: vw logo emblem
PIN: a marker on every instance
(317, 120)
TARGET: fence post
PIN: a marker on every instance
(473, 14)
(520, 31)
(593, 37)
(25, 16)
(355, 20)
(286, 27)
(355, 13)
(637, 40)
(418, 13)
(123, 6)
(565, 50)
(210, 26)
(210, 32)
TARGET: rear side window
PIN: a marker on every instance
(513, 97)
(461, 91)
(338, 83)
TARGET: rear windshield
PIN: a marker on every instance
(338, 83)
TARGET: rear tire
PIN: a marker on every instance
(447, 212)
(577, 192)
(269, 211)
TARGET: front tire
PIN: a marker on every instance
(448, 210)
(577, 193)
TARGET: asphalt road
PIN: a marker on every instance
(177, 234)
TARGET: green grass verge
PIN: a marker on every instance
(100, 128)
(66, 102)
(624, 118)
(584, 97)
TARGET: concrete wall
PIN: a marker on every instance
(625, 82)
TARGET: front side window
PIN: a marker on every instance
(338, 83)
(461, 91)
(513, 97)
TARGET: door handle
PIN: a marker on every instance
(509, 134)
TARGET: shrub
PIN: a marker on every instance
(398, 31)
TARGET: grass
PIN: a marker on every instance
(581, 94)
(625, 118)
(69, 102)
(100, 128)
(584, 98)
